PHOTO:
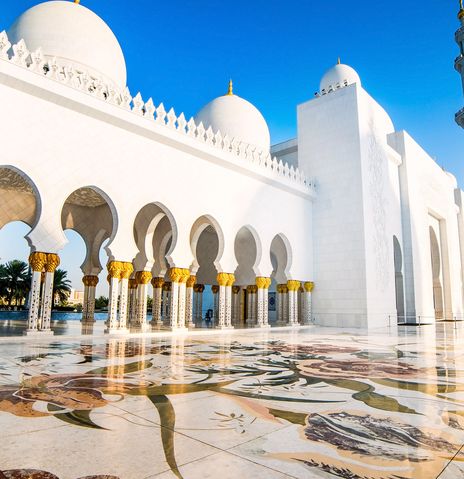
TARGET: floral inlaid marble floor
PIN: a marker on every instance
(308, 403)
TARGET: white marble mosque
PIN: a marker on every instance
(350, 224)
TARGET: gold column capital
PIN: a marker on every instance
(262, 282)
(132, 283)
(191, 281)
(127, 270)
(201, 288)
(225, 279)
(53, 261)
(215, 289)
(114, 269)
(308, 286)
(90, 280)
(235, 289)
(157, 283)
(293, 285)
(37, 261)
(167, 286)
(143, 277)
(179, 275)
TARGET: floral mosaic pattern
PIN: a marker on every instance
(351, 406)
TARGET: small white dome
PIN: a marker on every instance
(237, 118)
(75, 36)
(338, 74)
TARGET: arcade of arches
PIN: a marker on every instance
(242, 298)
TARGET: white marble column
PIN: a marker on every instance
(215, 290)
(127, 270)
(52, 263)
(143, 279)
(182, 305)
(177, 276)
(307, 302)
(293, 287)
(37, 262)
(114, 273)
(167, 288)
(236, 306)
(189, 301)
(262, 284)
(199, 303)
(157, 284)
(281, 290)
(88, 308)
(229, 303)
(224, 314)
(132, 306)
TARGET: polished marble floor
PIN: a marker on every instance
(307, 403)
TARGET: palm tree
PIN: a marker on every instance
(14, 280)
(61, 286)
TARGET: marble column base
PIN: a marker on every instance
(223, 328)
(262, 326)
(88, 321)
(38, 333)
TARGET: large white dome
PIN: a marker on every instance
(338, 74)
(75, 36)
(237, 118)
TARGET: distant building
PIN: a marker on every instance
(75, 297)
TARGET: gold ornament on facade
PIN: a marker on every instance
(157, 283)
(215, 289)
(308, 286)
(191, 281)
(293, 285)
(53, 261)
(37, 261)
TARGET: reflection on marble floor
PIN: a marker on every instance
(310, 403)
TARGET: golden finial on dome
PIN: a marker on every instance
(77, 1)
(231, 88)
(338, 61)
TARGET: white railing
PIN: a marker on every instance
(36, 62)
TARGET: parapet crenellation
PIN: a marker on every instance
(80, 80)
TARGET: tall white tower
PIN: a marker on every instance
(459, 62)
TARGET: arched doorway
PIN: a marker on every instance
(90, 213)
(399, 282)
(281, 261)
(155, 234)
(207, 245)
(436, 274)
(247, 248)
(19, 212)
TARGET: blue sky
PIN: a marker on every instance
(183, 52)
